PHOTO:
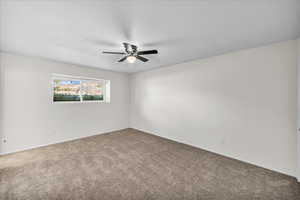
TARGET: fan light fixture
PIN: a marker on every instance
(131, 59)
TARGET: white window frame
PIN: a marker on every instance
(106, 88)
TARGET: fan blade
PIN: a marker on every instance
(147, 52)
(122, 59)
(142, 58)
(109, 52)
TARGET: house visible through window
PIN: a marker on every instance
(75, 89)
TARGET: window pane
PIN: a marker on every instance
(92, 90)
(66, 90)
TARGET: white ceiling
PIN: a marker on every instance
(77, 31)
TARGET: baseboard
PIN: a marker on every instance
(146, 131)
(212, 151)
(60, 141)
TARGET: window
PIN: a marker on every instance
(78, 89)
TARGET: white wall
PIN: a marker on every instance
(30, 118)
(241, 104)
(1, 100)
(298, 155)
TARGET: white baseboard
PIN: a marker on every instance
(146, 131)
(58, 142)
(209, 150)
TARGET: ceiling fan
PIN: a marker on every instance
(131, 53)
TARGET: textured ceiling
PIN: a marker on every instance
(77, 31)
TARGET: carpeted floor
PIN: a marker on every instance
(132, 165)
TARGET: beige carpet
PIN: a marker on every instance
(131, 165)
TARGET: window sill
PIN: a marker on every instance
(78, 102)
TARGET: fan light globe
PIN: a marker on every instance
(131, 59)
